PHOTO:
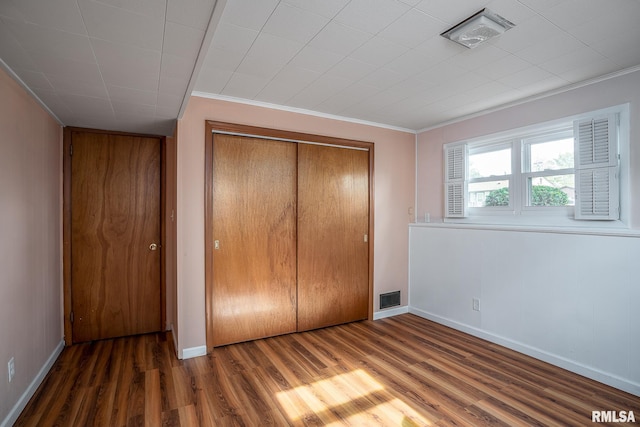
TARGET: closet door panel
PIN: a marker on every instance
(333, 220)
(254, 233)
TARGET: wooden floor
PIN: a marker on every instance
(400, 371)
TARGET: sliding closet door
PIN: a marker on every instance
(254, 234)
(333, 222)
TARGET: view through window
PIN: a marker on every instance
(572, 168)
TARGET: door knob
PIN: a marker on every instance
(153, 246)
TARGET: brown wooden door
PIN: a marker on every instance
(254, 233)
(115, 217)
(333, 220)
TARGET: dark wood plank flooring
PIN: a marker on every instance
(401, 371)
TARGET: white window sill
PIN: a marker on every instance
(617, 229)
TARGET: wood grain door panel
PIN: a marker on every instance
(254, 225)
(333, 219)
(115, 217)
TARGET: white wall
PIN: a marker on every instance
(568, 299)
(541, 293)
(30, 245)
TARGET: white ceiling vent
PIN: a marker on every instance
(478, 28)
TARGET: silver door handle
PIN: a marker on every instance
(153, 246)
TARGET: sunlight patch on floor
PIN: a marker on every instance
(356, 394)
(331, 392)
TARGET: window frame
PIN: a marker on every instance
(521, 140)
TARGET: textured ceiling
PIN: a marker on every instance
(109, 64)
(131, 65)
(384, 60)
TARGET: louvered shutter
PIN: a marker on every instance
(596, 161)
(455, 190)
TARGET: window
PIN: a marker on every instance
(489, 175)
(568, 168)
(548, 170)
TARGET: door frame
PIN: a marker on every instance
(66, 225)
(283, 135)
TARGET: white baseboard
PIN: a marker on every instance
(17, 409)
(569, 365)
(188, 353)
(390, 312)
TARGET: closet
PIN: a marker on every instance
(254, 232)
(288, 232)
(333, 221)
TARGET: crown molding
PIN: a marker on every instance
(298, 110)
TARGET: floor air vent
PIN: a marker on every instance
(390, 299)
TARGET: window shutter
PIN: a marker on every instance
(455, 190)
(596, 161)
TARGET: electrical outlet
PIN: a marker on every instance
(12, 369)
(476, 304)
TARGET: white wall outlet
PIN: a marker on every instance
(476, 304)
(11, 366)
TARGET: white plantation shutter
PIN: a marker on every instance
(455, 186)
(596, 166)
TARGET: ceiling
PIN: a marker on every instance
(131, 65)
(109, 64)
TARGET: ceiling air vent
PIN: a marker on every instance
(478, 28)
